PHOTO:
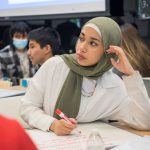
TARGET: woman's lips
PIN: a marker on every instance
(80, 57)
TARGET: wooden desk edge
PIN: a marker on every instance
(137, 132)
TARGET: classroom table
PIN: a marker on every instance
(11, 99)
(111, 135)
(127, 128)
(14, 88)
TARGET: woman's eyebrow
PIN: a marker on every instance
(93, 38)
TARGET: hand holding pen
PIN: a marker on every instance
(63, 116)
(63, 126)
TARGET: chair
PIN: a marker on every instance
(147, 85)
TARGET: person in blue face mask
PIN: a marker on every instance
(14, 62)
(20, 43)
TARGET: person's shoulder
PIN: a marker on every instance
(110, 79)
(55, 61)
(9, 126)
(56, 58)
(6, 122)
(5, 49)
(3, 120)
(13, 133)
(5, 52)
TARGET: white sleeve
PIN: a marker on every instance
(32, 103)
(136, 110)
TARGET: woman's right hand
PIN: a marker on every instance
(123, 65)
(62, 127)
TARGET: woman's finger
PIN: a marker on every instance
(114, 63)
(117, 50)
(70, 126)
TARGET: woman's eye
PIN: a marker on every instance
(81, 38)
(93, 43)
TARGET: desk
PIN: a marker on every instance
(14, 88)
(8, 91)
(111, 136)
(137, 132)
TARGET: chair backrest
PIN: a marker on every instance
(147, 85)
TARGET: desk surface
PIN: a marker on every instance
(137, 132)
(111, 136)
(124, 127)
(15, 88)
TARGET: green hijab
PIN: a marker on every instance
(70, 96)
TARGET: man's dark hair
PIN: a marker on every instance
(44, 36)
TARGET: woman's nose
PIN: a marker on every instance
(83, 47)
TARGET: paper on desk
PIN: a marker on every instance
(50, 141)
(112, 136)
(139, 143)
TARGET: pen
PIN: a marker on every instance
(63, 116)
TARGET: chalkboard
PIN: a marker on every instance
(144, 9)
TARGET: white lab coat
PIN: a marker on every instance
(124, 100)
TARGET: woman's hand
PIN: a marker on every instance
(123, 65)
(62, 127)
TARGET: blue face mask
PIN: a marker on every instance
(20, 43)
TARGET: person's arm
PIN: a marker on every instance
(38, 96)
(135, 110)
(31, 109)
(13, 136)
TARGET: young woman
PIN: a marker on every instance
(84, 88)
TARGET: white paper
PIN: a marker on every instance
(111, 136)
(140, 143)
